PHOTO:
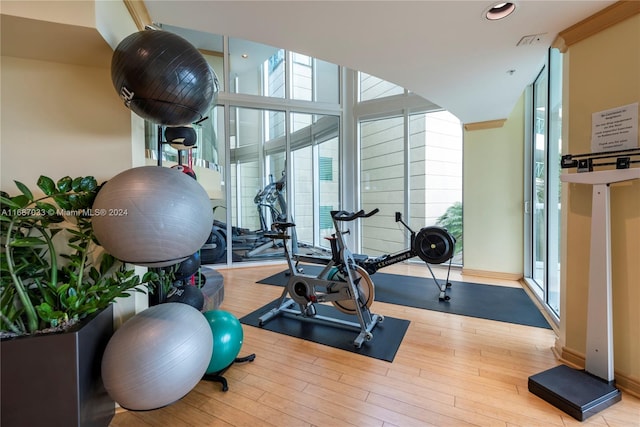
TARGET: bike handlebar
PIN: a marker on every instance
(350, 216)
(372, 213)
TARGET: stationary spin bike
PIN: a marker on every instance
(341, 282)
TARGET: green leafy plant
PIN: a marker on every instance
(451, 220)
(54, 272)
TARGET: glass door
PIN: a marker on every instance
(540, 93)
(543, 269)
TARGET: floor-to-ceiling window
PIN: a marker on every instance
(411, 163)
(281, 154)
(382, 183)
(315, 161)
(543, 191)
(435, 160)
(278, 152)
(268, 145)
(372, 87)
(255, 162)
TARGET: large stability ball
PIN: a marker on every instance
(152, 216)
(227, 339)
(163, 78)
(157, 356)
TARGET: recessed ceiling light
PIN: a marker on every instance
(500, 10)
(244, 55)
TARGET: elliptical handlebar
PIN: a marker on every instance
(350, 216)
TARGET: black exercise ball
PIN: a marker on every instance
(181, 137)
(163, 78)
(187, 294)
(188, 267)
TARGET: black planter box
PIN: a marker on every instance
(54, 379)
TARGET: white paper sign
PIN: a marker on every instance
(615, 129)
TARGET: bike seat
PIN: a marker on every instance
(283, 225)
(274, 235)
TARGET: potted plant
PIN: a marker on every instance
(56, 292)
(451, 220)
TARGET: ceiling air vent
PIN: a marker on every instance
(531, 39)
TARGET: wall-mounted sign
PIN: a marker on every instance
(615, 129)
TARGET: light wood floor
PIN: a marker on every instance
(449, 371)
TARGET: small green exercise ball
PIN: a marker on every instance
(227, 339)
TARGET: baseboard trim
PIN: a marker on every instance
(577, 360)
(492, 274)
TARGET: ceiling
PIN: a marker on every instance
(444, 51)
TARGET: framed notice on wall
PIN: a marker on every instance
(615, 129)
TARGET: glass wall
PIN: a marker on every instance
(413, 165)
(328, 180)
(382, 183)
(256, 69)
(315, 164)
(255, 150)
(215, 249)
(372, 87)
(435, 160)
(267, 144)
(326, 82)
(275, 144)
(313, 79)
(205, 158)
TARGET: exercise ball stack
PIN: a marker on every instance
(156, 357)
(152, 216)
(227, 339)
(163, 78)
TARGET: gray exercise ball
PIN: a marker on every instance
(156, 357)
(152, 216)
